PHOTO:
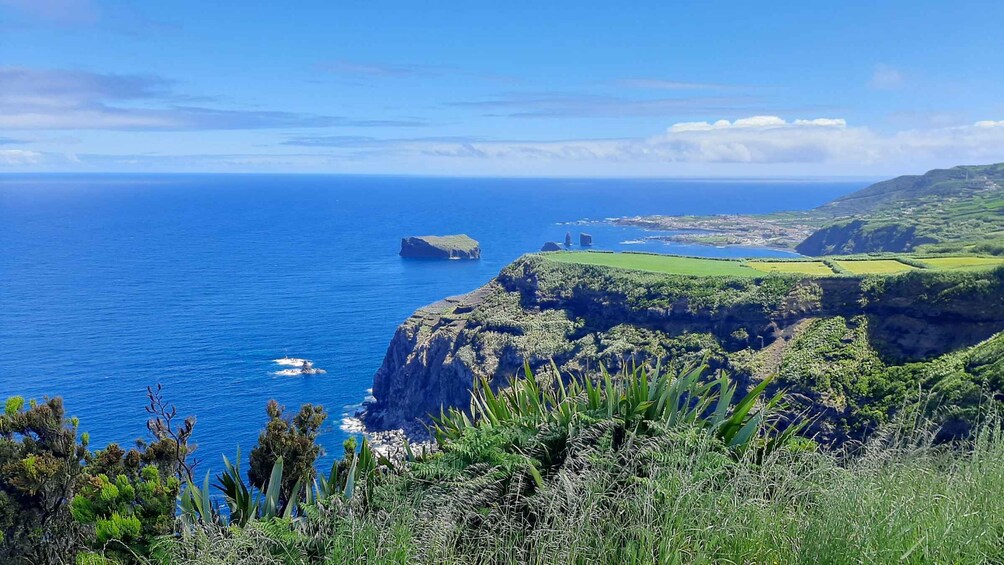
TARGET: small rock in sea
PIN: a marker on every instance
(568, 239)
(585, 240)
(441, 247)
(551, 246)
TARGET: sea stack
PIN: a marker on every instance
(459, 246)
(568, 239)
(585, 240)
(551, 246)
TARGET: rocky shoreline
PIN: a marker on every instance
(726, 230)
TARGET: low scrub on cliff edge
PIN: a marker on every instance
(642, 467)
(675, 497)
(623, 471)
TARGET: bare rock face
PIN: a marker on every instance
(585, 240)
(568, 239)
(426, 368)
(459, 246)
(551, 246)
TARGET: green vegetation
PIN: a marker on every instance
(456, 243)
(697, 266)
(947, 211)
(40, 461)
(852, 349)
(645, 466)
(874, 266)
(962, 262)
(290, 440)
(655, 263)
(814, 268)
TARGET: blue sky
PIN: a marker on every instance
(525, 89)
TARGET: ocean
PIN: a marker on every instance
(112, 283)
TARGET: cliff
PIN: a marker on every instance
(440, 247)
(840, 343)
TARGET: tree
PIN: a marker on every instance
(295, 440)
(171, 446)
(129, 497)
(41, 461)
(127, 500)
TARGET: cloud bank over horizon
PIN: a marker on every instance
(562, 89)
(826, 145)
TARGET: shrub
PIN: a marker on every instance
(294, 441)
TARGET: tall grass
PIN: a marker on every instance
(631, 488)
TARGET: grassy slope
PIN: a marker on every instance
(695, 266)
(943, 211)
(952, 263)
(458, 243)
(797, 267)
(875, 267)
(656, 263)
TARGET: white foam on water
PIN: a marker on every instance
(290, 361)
(352, 425)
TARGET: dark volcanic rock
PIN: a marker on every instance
(585, 240)
(440, 247)
(551, 246)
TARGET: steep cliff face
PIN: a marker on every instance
(538, 311)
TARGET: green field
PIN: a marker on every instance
(668, 264)
(817, 268)
(875, 267)
(677, 265)
(953, 263)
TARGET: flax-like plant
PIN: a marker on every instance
(243, 503)
(636, 397)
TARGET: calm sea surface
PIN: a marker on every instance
(110, 283)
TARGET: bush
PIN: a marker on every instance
(41, 460)
(294, 441)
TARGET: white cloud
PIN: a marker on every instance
(823, 122)
(753, 146)
(762, 122)
(885, 77)
(19, 157)
(38, 99)
(756, 140)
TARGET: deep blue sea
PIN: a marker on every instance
(111, 283)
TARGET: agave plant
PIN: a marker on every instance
(635, 397)
(243, 503)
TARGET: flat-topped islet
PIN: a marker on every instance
(459, 246)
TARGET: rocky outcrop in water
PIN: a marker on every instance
(440, 247)
(551, 246)
(585, 240)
